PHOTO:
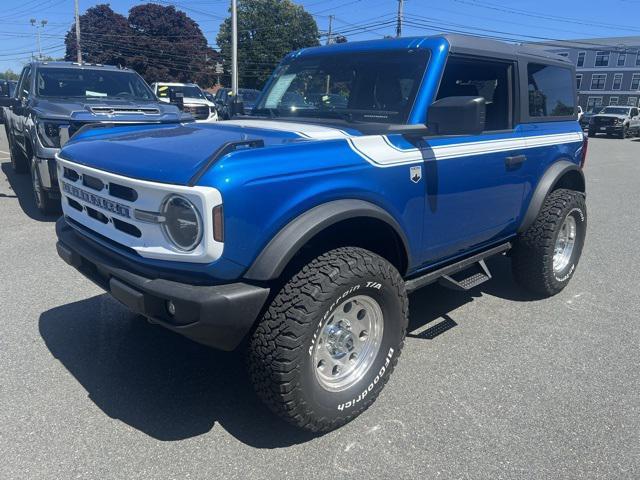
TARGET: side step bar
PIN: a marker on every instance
(445, 275)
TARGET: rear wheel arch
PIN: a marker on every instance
(562, 174)
(335, 224)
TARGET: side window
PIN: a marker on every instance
(550, 91)
(634, 112)
(162, 91)
(490, 79)
(25, 84)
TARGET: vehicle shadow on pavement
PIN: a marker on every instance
(431, 307)
(156, 381)
(172, 388)
(21, 186)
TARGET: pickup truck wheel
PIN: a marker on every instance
(591, 133)
(625, 132)
(330, 339)
(43, 201)
(545, 257)
(18, 162)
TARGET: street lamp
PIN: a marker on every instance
(34, 23)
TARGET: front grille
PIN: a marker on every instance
(200, 112)
(603, 121)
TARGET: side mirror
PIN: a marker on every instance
(176, 98)
(237, 107)
(457, 116)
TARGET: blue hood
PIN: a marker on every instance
(169, 153)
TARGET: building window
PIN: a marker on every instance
(632, 101)
(581, 57)
(613, 101)
(598, 80)
(602, 59)
(638, 59)
(617, 82)
(635, 81)
(578, 81)
(593, 103)
(622, 59)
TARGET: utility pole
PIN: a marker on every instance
(329, 39)
(78, 33)
(34, 23)
(399, 22)
(234, 48)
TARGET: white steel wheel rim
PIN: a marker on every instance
(348, 343)
(565, 243)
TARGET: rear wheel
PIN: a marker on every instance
(330, 339)
(544, 258)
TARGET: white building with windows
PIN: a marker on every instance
(607, 69)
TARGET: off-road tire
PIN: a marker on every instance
(280, 360)
(18, 161)
(45, 204)
(532, 255)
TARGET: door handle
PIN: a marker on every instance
(515, 160)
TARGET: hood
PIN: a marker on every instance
(610, 115)
(106, 110)
(175, 153)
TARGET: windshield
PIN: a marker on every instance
(616, 110)
(188, 91)
(368, 86)
(76, 82)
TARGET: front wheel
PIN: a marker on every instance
(625, 132)
(46, 205)
(330, 339)
(545, 257)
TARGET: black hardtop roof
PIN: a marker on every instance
(469, 44)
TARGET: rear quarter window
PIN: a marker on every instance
(550, 91)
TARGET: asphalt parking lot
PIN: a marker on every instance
(491, 384)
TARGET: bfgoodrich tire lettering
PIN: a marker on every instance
(281, 360)
(562, 220)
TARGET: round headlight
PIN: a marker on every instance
(182, 224)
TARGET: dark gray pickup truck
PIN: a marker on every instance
(54, 100)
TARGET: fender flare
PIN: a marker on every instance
(275, 256)
(545, 186)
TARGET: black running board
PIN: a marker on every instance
(445, 274)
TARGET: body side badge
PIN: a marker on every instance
(415, 173)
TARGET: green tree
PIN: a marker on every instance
(267, 31)
(9, 75)
(160, 43)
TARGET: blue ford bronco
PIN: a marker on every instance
(365, 171)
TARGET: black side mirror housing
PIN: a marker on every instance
(176, 98)
(237, 107)
(457, 116)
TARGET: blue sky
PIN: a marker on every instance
(358, 19)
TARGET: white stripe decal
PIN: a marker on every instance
(380, 152)
(316, 132)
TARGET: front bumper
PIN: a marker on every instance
(608, 129)
(216, 315)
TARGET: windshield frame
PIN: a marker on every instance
(143, 84)
(368, 115)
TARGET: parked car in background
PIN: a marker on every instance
(616, 120)
(586, 117)
(7, 87)
(194, 100)
(224, 99)
(297, 233)
(54, 100)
